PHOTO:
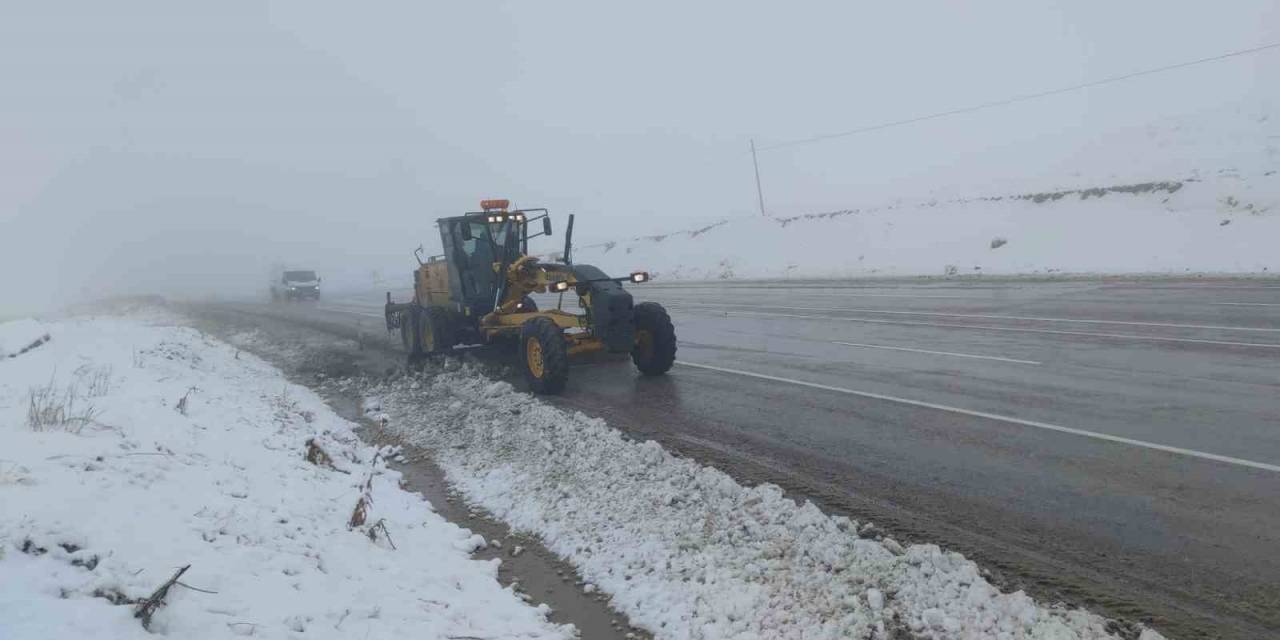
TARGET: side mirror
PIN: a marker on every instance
(319, 279)
(466, 232)
(546, 226)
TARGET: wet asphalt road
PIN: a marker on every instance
(1108, 443)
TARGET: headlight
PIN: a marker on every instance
(559, 286)
(640, 276)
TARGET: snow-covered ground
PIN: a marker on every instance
(130, 447)
(684, 550)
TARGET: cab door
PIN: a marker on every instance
(472, 281)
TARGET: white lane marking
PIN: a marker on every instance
(358, 313)
(939, 353)
(352, 305)
(1244, 304)
(997, 417)
(896, 295)
(347, 306)
(981, 327)
(996, 317)
(1207, 285)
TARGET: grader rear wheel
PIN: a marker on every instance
(409, 333)
(544, 357)
(433, 331)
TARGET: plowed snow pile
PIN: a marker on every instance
(683, 549)
(129, 449)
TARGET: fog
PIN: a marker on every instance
(183, 148)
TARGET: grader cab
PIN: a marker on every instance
(478, 292)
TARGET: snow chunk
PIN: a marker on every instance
(875, 599)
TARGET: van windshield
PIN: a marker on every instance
(299, 276)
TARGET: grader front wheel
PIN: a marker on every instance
(655, 348)
(544, 357)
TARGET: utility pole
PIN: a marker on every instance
(755, 163)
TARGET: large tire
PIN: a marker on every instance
(434, 335)
(543, 355)
(655, 349)
(409, 332)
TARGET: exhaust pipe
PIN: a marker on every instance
(568, 241)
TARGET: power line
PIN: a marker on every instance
(1020, 98)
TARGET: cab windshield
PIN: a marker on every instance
(494, 234)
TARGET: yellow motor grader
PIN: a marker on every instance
(478, 292)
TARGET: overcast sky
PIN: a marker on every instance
(181, 146)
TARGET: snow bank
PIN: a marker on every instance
(684, 550)
(19, 335)
(178, 450)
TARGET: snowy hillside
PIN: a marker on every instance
(1193, 195)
